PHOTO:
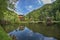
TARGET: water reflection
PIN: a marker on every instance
(24, 33)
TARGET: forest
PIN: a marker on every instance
(48, 10)
(9, 20)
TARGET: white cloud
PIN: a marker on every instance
(16, 4)
(19, 13)
(48, 1)
(30, 7)
(10, 9)
(39, 1)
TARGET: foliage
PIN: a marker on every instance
(9, 17)
(3, 35)
(51, 10)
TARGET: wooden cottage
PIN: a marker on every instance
(21, 17)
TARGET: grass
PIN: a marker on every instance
(4, 35)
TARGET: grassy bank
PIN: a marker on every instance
(4, 35)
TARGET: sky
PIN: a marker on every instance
(23, 7)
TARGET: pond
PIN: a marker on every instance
(33, 32)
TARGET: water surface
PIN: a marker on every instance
(27, 34)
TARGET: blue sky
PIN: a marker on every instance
(25, 6)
